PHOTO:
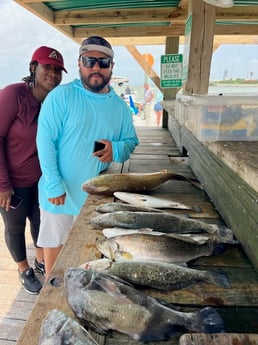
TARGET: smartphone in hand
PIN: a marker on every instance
(16, 200)
(98, 146)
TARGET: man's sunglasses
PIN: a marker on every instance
(89, 62)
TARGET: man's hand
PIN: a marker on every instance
(58, 200)
(105, 155)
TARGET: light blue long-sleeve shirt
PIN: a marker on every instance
(70, 120)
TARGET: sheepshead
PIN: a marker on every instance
(164, 222)
(131, 182)
(118, 206)
(59, 329)
(141, 246)
(143, 200)
(158, 275)
(105, 302)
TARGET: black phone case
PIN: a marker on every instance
(15, 201)
(98, 146)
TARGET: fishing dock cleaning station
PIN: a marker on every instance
(213, 138)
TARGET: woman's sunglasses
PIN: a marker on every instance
(89, 62)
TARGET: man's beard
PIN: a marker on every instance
(95, 87)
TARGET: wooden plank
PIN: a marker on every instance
(235, 200)
(10, 329)
(218, 339)
(241, 157)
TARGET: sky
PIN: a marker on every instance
(22, 32)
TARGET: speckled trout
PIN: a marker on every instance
(164, 222)
(158, 275)
(132, 182)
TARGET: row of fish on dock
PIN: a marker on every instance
(143, 246)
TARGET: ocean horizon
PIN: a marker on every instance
(247, 90)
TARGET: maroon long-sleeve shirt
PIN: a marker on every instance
(19, 164)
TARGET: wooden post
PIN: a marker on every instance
(201, 47)
(169, 94)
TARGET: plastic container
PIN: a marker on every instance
(219, 118)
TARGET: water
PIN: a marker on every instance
(246, 90)
(214, 90)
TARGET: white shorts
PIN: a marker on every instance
(54, 229)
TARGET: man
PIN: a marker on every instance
(72, 118)
(148, 96)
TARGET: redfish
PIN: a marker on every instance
(143, 246)
(107, 184)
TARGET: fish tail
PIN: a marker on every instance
(219, 279)
(196, 208)
(207, 320)
(180, 177)
(196, 183)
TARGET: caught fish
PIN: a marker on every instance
(158, 275)
(111, 232)
(105, 302)
(59, 329)
(143, 200)
(131, 182)
(118, 206)
(140, 246)
(164, 222)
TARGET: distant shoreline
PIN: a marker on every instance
(233, 84)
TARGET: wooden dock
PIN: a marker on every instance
(15, 303)
(238, 305)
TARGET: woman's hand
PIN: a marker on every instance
(5, 199)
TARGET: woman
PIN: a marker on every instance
(19, 166)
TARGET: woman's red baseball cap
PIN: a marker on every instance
(48, 56)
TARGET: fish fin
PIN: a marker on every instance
(225, 235)
(107, 283)
(196, 183)
(126, 255)
(196, 208)
(145, 230)
(206, 320)
(111, 255)
(219, 279)
(189, 238)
